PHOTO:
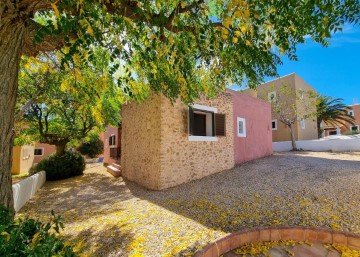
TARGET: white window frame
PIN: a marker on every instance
(202, 138)
(276, 124)
(270, 94)
(302, 123)
(42, 151)
(354, 126)
(243, 120)
(351, 113)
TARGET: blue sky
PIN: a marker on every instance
(333, 71)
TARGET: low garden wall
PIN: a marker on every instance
(336, 145)
(252, 236)
(25, 189)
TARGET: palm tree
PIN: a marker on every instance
(331, 111)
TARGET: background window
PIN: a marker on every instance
(351, 113)
(302, 123)
(115, 153)
(274, 124)
(38, 151)
(271, 96)
(241, 127)
(355, 128)
(112, 140)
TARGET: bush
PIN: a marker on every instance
(30, 237)
(62, 166)
(92, 148)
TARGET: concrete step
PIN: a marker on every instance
(115, 171)
(116, 165)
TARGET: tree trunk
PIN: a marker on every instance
(293, 143)
(12, 34)
(60, 148)
(319, 129)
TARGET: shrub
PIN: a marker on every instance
(29, 237)
(62, 166)
(92, 148)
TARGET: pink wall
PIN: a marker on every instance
(47, 150)
(111, 131)
(257, 114)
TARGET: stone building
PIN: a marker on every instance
(165, 144)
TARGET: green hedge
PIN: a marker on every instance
(62, 166)
(92, 148)
(31, 238)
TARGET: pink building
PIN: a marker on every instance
(165, 144)
(112, 142)
(256, 142)
(42, 151)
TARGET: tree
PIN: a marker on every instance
(331, 111)
(290, 106)
(60, 106)
(176, 47)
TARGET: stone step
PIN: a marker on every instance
(115, 171)
(116, 165)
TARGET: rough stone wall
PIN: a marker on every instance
(183, 160)
(140, 142)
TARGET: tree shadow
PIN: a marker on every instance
(283, 189)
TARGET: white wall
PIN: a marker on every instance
(343, 144)
(25, 189)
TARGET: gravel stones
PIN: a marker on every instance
(119, 218)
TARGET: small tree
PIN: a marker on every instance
(92, 147)
(331, 111)
(289, 106)
(59, 106)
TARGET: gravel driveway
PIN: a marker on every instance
(114, 217)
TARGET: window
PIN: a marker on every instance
(271, 96)
(241, 127)
(115, 153)
(302, 123)
(39, 151)
(351, 113)
(112, 140)
(354, 128)
(274, 124)
(205, 123)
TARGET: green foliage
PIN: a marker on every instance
(185, 48)
(62, 166)
(59, 106)
(28, 237)
(93, 147)
(332, 112)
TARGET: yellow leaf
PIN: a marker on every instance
(90, 30)
(235, 40)
(237, 33)
(56, 10)
(6, 234)
(183, 4)
(227, 22)
(243, 29)
(248, 43)
(247, 14)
